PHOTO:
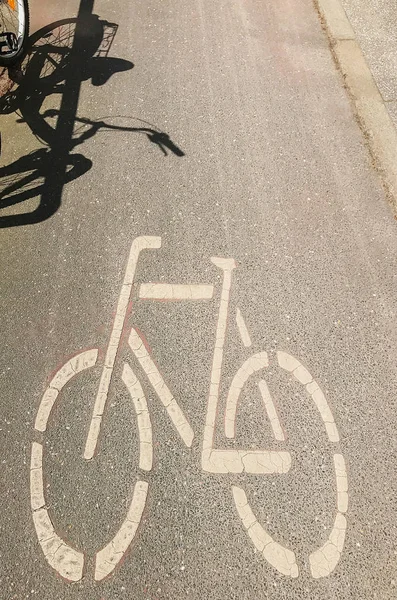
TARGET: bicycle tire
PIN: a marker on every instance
(68, 561)
(325, 557)
(15, 57)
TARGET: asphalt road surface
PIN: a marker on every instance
(198, 312)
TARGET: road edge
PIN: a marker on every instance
(369, 108)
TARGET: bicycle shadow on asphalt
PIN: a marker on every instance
(60, 57)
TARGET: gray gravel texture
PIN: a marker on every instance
(276, 175)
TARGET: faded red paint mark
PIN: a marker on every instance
(144, 340)
(63, 363)
(125, 330)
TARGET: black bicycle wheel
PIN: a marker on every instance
(14, 30)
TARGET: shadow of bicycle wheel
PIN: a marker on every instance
(60, 57)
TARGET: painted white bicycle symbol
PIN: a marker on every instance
(68, 561)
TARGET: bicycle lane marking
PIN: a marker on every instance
(68, 561)
(139, 244)
(276, 554)
(237, 461)
(72, 367)
(228, 461)
(242, 327)
(110, 556)
(271, 411)
(174, 411)
(324, 560)
(143, 418)
(62, 557)
(292, 365)
(169, 291)
(113, 553)
(234, 461)
(254, 363)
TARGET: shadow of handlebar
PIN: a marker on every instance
(60, 57)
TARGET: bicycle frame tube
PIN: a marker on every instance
(231, 460)
(227, 265)
(139, 244)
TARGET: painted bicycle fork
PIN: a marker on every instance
(69, 562)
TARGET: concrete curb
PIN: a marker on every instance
(370, 110)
